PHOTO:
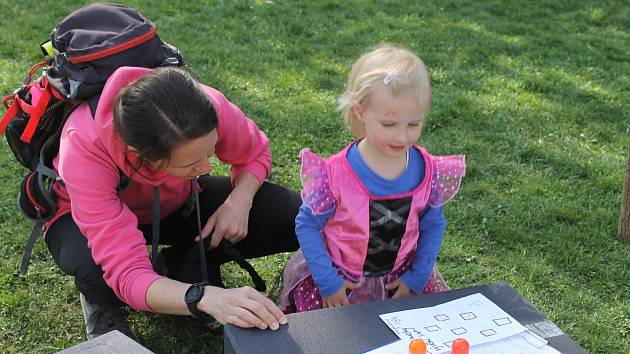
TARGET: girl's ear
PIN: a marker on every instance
(358, 111)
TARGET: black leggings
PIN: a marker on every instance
(271, 230)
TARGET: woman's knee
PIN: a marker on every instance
(67, 245)
(279, 200)
(93, 287)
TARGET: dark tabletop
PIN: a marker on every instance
(358, 328)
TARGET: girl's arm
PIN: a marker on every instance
(432, 226)
(308, 228)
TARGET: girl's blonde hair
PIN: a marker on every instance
(398, 68)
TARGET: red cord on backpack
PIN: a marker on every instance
(10, 113)
(38, 111)
(17, 103)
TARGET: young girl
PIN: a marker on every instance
(371, 223)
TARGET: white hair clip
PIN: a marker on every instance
(388, 78)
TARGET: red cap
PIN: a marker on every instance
(460, 346)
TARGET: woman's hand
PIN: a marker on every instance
(231, 219)
(243, 307)
(402, 290)
(340, 298)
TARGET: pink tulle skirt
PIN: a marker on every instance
(299, 291)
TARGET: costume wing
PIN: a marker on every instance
(447, 177)
(316, 193)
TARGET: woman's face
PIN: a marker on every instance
(190, 159)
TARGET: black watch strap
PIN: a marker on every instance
(193, 296)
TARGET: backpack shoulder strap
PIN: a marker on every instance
(30, 243)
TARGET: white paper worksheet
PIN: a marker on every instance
(473, 317)
(522, 343)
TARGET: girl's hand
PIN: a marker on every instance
(229, 221)
(340, 298)
(242, 307)
(401, 289)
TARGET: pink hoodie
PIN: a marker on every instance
(90, 156)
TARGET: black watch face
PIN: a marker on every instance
(193, 292)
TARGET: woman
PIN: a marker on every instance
(158, 128)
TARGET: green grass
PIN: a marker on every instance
(536, 94)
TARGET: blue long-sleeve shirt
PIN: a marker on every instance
(432, 225)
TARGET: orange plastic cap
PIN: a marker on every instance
(417, 346)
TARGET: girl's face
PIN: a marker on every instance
(190, 159)
(392, 123)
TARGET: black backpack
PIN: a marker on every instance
(85, 48)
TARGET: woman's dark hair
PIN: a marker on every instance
(162, 110)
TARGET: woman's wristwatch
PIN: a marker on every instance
(193, 296)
